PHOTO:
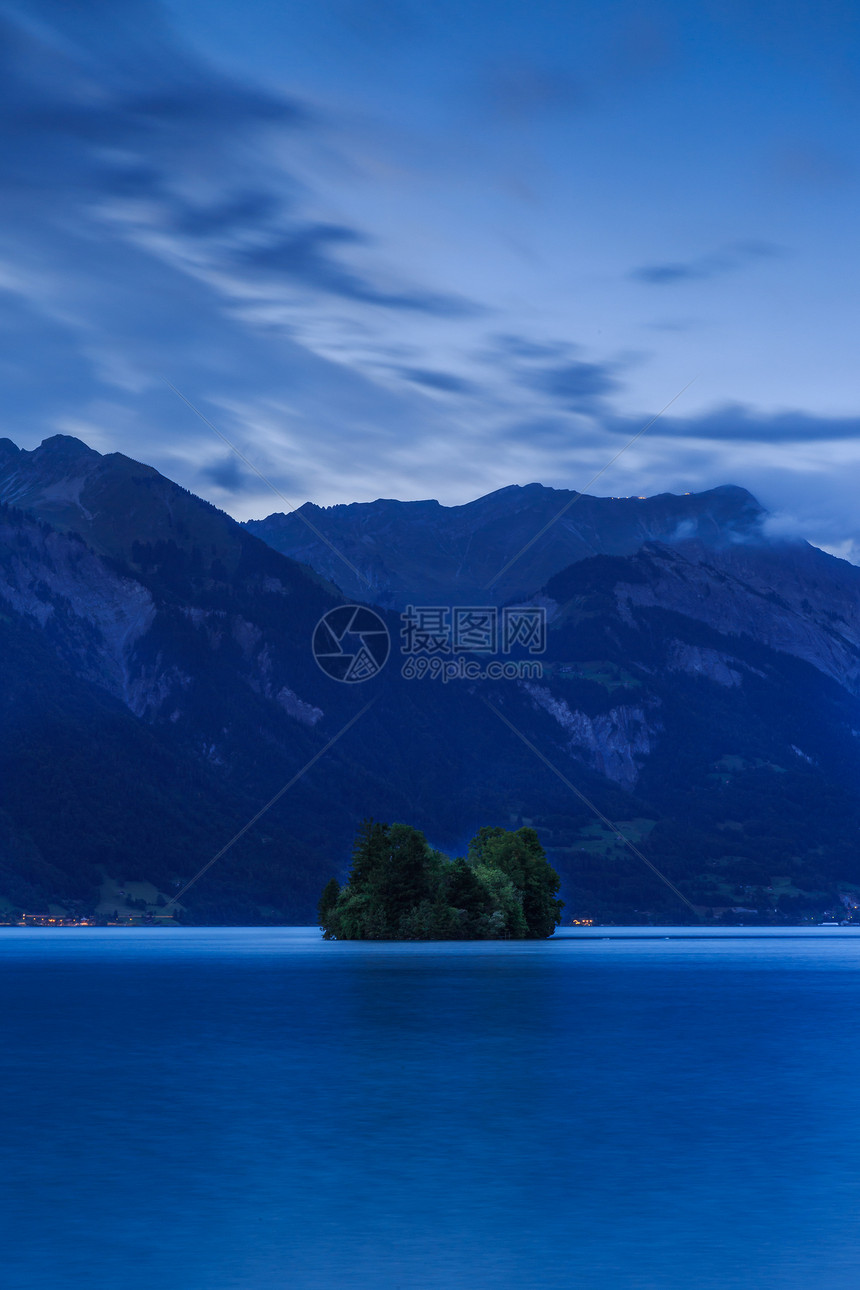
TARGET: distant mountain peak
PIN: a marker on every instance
(511, 490)
(728, 488)
(8, 451)
(65, 447)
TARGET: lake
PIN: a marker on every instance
(204, 1109)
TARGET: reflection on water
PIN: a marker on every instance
(214, 1108)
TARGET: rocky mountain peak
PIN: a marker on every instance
(8, 451)
(65, 447)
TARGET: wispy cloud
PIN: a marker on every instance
(154, 228)
(165, 220)
(555, 371)
(737, 423)
(575, 384)
(730, 259)
(525, 348)
(444, 382)
(309, 256)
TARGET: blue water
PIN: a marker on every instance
(214, 1108)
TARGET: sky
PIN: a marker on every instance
(399, 249)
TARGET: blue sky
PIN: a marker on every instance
(411, 250)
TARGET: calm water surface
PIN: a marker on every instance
(218, 1108)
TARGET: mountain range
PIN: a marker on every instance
(700, 689)
(499, 548)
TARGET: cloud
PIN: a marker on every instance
(110, 75)
(553, 370)
(525, 347)
(122, 127)
(732, 258)
(735, 422)
(446, 382)
(305, 257)
(154, 229)
(575, 384)
(237, 212)
(226, 474)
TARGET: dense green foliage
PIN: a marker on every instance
(401, 889)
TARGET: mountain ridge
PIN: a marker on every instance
(526, 533)
(158, 687)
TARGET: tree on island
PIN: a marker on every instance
(402, 889)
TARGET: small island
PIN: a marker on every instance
(402, 889)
